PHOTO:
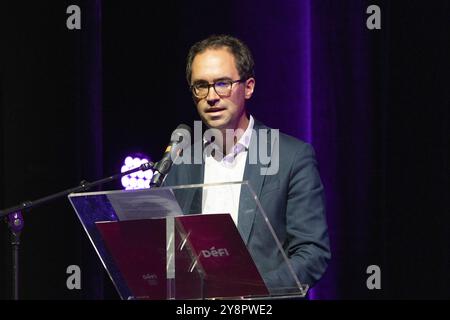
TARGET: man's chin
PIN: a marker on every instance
(217, 124)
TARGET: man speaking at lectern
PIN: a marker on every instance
(220, 74)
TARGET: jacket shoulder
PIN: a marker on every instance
(288, 144)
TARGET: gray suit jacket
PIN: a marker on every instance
(293, 200)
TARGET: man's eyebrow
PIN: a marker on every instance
(199, 81)
(215, 80)
(222, 78)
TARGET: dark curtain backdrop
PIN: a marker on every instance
(51, 139)
(374, 104)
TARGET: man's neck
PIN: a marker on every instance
(232, 137)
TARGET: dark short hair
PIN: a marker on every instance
(240, 51)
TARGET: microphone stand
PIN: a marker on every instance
(14, 218)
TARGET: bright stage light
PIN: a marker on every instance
(138, 179)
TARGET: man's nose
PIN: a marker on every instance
(212, 98)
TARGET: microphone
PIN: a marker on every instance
(163, 166)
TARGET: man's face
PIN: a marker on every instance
(219, 112)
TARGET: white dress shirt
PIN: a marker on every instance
(225, 199)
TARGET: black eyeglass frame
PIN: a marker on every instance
(231, 82)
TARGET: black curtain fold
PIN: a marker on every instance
(51, 139)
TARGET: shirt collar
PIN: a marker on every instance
(246, 137)
(244, 140)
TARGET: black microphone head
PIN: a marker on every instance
(181, 131)
(184, 126)
(163, 166)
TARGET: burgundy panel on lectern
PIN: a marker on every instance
(223, 262)
(138, 248)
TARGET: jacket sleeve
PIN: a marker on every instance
(307, 248)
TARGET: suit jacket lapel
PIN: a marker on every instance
(252, 174)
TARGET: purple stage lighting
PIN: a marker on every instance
(138, 179)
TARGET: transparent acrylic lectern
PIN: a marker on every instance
(157, 244)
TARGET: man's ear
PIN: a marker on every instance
(249, 87)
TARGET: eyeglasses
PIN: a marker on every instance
(222, 88)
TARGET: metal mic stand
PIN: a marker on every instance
(14, 218)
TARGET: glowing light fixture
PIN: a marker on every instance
(138, 179)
